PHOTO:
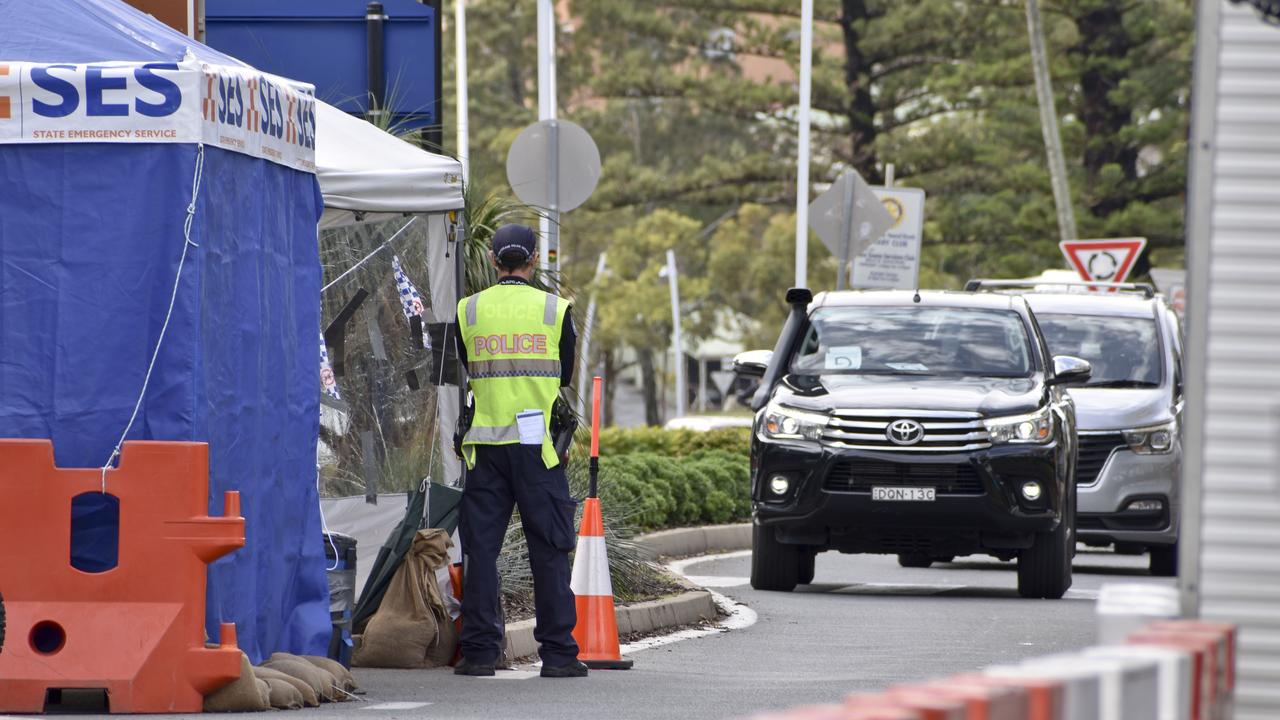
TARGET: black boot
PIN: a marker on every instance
(573, 669)
(466, 667)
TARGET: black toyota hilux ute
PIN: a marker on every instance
(928, 425)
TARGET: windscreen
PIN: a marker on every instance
(915, 341)
(1124, 351)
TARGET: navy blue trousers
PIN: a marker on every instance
(507, 476)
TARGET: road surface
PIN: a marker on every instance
(864, 624)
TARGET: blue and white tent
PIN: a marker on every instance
(151, 187)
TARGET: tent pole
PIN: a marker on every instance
(460, 283)
(434, 134)
(374, 61)
(460, 81)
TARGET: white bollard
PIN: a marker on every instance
(1082, 687)
(1125, 608)
(1130, 686)
(1175, 675)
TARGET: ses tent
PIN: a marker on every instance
(159, 279)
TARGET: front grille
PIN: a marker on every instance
(1094, 451)
(854, 475)
(943, 431)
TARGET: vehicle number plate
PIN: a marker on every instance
(918, 494)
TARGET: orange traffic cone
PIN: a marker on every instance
(597, 630)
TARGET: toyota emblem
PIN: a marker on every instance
(905, 432)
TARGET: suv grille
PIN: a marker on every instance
(861, 475)
(1094, 451)
(943, 431)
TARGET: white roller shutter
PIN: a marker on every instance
(1233, 433)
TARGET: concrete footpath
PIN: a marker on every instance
(695, 605)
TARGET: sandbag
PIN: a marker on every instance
(407, 631)
(284, 696)
(446, 646)
(309, 697)
(264, 692)
(345, 679)
(319, 680)
(240, 695)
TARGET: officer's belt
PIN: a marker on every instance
(506, 368)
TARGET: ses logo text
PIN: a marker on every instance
(150, 96)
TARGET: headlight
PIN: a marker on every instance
(1157, 440)
(1036, 427)
(784, 423)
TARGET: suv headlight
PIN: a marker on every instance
(1036, 427)
(784, 423)
(1155, 440)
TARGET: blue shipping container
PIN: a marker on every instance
(324, 42)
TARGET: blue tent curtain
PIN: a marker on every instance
(90, 238)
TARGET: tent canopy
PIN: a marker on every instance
(365, 173)
(361, 169)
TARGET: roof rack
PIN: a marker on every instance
(1146, 289)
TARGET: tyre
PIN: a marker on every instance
(804, 571)
(1164, 560)
(774, 566)
(914, 560)
(1044, 569)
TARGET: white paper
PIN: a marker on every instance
(844, 357)
(531, 427)
(908, 367)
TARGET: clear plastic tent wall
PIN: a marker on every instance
(111, 122)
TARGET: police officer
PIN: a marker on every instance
(518, 345)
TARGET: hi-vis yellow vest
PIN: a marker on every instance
(512, 336)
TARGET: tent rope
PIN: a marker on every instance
(369, 257)
(187, 244)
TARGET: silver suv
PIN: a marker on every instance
(1128, 415)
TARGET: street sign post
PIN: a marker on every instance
(553, 165)
(1103, 260)
(848, 217)
(893, 261)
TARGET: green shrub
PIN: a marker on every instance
(706, 486)
(672, 443)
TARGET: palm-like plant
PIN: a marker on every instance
(485, 213)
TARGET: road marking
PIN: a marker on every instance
(898, 588)
(922, 589)
(396, 706)
(678, 566)
(740, 616)
(512, 675)
(717, 581)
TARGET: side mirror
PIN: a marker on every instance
(1068, 370)
(752, 363)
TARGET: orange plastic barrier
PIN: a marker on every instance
(1204, 666)
(931, 705)
(1227, 633)
(1045, 697)
(981, 702)
(455, 584)
(867, 705)
(136, 630)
